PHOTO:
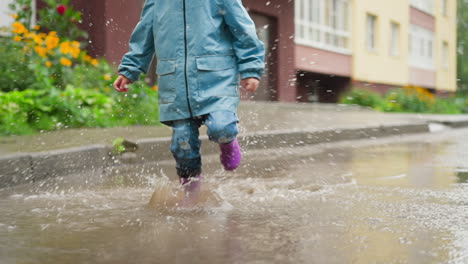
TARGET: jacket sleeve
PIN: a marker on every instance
(249, 50)
(141, 45)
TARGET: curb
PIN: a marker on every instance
(303, 138)
(30, 167)
(454, 124)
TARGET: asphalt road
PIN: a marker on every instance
(393, 200)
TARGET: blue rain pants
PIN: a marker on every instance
(185, 145)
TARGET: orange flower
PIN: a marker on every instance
(75, 53)
(29, 35)
(65, 62)
(48, 64)
(65, 47)
(38, 39)
(87, 58)
(154, 88)
(75, 44)
(18, 28)
(72, 48)
(17, 38)
(421, 93)
(107, 77)
(40, 51)
(75, 49)
(51, 41)
(36, 27)
(94, 62)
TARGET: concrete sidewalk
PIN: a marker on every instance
(263, 125)
(254, 118)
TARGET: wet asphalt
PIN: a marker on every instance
(394, 200)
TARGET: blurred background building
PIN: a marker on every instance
(374, 44)
(316, 49)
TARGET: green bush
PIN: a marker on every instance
(66, 24)
(139, 106)
(399, 100)
(29, 111)
(462, 103)
(48, 82)
(448, 106)
(86, 76)
(363, 98)
(15, 73)
(408, 99)
(15, 109)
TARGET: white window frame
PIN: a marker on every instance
(445, 55)
(426, 6)
(444, 7)
(421, 48)
(371, 32)
(394, 39)
(316, 28)
(5, 16)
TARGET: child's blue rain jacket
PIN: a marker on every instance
(201, 47)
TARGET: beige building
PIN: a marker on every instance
(375, 44)
(446, 44)
(380, 53)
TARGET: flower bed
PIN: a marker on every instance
(48, 81)
(409, 99)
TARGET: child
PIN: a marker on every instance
(201, 47)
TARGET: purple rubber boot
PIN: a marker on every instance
(191, 184)
(192, 188)
(230, 155)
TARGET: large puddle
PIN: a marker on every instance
(399, 203)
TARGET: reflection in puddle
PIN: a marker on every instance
(411, 165)
(381, 204)
(462, 177)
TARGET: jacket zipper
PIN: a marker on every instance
(185, 66)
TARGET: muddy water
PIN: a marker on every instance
(389, 203)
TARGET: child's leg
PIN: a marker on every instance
(185, 148)
(222, 126)
(222, 129)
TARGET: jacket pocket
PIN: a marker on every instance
(217, 76)
(166, 81)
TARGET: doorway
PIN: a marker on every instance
(266, 31)
(321, 88)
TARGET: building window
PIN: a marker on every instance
(444, 7)
(421, 47)
(423, 5)
(394, 39)
(371, 34)
(323, 24)
(445, 55)
(6, 20)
